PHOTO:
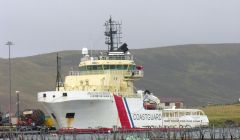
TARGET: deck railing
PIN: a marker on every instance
(124, 57)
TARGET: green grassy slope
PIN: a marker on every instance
(197, 73)
(220, 114)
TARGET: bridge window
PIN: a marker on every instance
(131, 67)
(112, 66)
(94, 67)
(89, 67)
(83, 68)
(119, 67)
(106, 67)
(99, 67)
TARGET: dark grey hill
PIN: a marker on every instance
(199, 74)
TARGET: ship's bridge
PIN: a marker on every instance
(105, 61)
(103, 64)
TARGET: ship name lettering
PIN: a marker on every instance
(98, 95)
(146, 116)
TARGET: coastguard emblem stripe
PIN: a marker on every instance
(129, 114)
(122, 113)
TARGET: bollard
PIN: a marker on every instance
(42, 136)
(202, 137)
(115, 129)
(74, 136)
(211, 135)
(174, 135)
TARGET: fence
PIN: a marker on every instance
(200, 133)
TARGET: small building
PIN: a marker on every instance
(171, 103)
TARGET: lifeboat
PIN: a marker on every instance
(149, 106)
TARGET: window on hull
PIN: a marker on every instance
(181, 113)
(64, 94)
(70, 115)
(167, 104)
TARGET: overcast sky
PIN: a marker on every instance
(41, 26)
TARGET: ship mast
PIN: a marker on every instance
(113, 34)
(59, 81)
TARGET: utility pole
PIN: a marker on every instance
(9, 44)
(18, 113)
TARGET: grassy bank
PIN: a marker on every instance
(219, 114)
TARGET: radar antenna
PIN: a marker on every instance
(59, 81)
(113, 34)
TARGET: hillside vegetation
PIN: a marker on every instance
(199, 74)
(223, 114)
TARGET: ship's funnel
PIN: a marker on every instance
(123, 48)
